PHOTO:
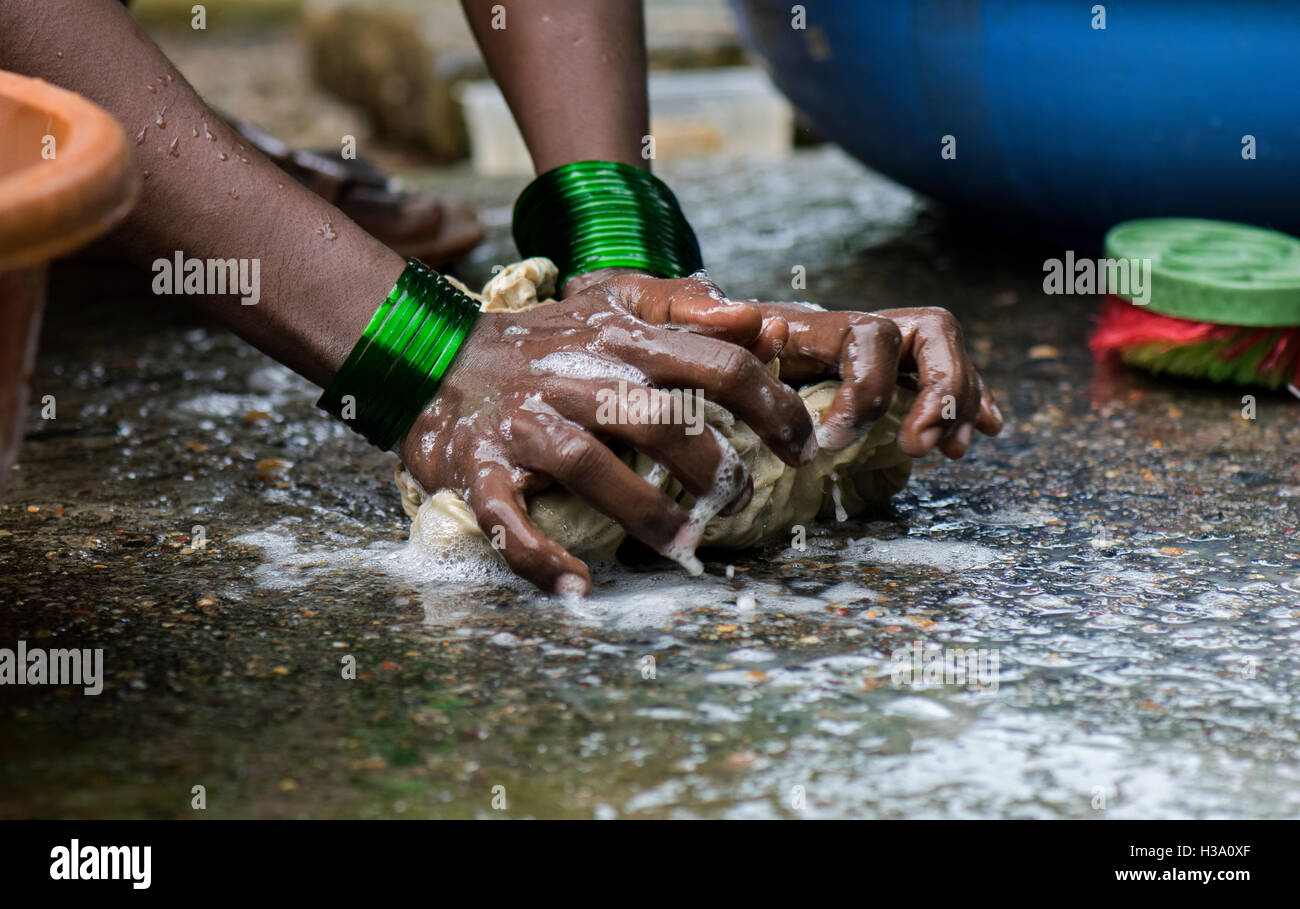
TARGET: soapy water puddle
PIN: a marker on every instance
(620, 599)
(1118, 682)
(1140, 665)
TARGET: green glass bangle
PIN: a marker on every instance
(605, 214)
(396, 365)
(431, 353)
(408, 342)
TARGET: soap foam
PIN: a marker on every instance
(837, 496)
(727, 484)
(574, 365)
(456, 582)
(943, 555)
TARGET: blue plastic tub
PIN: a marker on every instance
(1058, 126)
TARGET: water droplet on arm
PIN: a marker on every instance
(174, 148)
(139, 137)
(326, 230)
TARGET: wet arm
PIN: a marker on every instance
(205, 193)
(573, 73)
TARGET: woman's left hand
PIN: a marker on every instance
(866, 351)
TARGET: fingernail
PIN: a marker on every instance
(963, 434)
(810, 449)
(837, 435)
(930, 437)
(571, 585)
(996, 412)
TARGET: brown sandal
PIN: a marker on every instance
(435, 231)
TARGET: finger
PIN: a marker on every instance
(957, 443)
(815, 341)
(926, 424)
(949, 388)
(954, 444)
(728, 375)
(695, 303)
(869, 369)
(667, 427)
(772, 339)
(550, 444)
(944, 402)
(502, 515)
(957, 434)
(989, 420)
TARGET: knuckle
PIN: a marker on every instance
(489, 512)
(880, 334)
(661, 415)
(739, 365)
(938, 313)
(947, 321)
(648, 438)
(875, 406)
(576, 456)
(865, 400)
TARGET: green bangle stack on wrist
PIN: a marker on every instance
(604, 214)
(395, 367)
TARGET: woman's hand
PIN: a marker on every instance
(868, 351)
(522, 408)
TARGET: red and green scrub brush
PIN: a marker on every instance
(1224, 302)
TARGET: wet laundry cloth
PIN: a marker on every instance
(835, 484)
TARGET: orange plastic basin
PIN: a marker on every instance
(49, 205)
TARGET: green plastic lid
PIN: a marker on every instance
(1214, 271)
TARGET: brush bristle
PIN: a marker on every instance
(1222, 353)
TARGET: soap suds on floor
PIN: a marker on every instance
(945, 556)
(451, 585)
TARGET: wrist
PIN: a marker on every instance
(394, 370)
(421, 437)
(591, 216)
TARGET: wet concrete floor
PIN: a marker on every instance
(1121, 565)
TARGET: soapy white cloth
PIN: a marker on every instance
(835, 484)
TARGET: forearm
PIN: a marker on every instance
(205, 193)
(573, 73)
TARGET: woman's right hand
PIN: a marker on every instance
(522, 408)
